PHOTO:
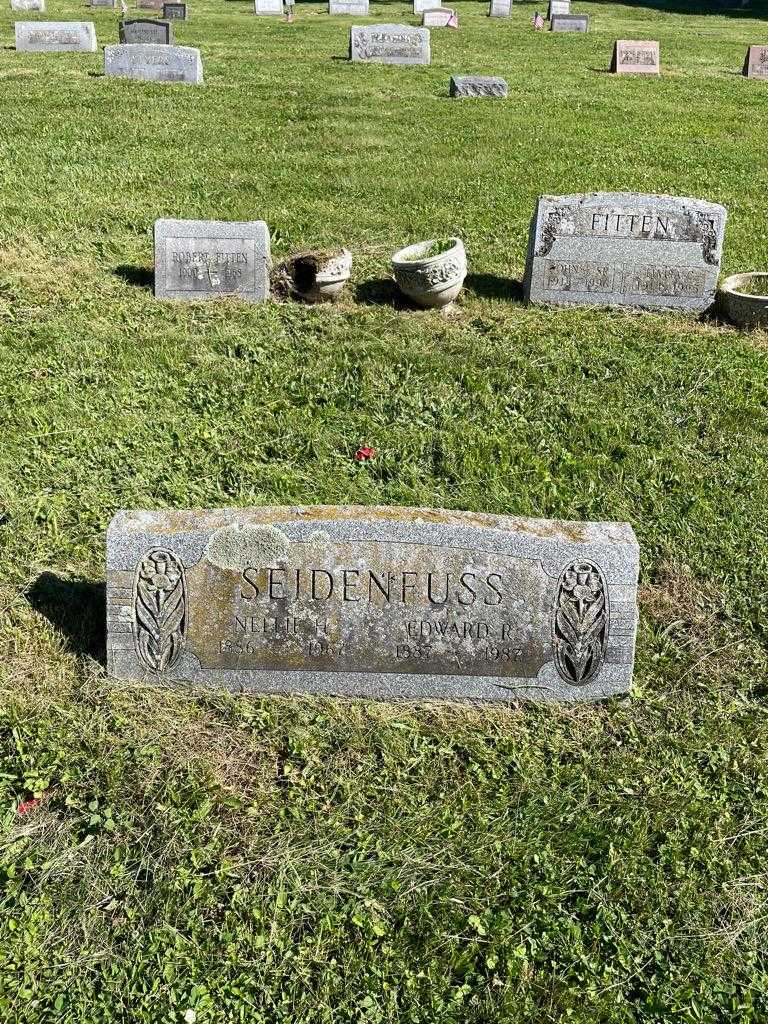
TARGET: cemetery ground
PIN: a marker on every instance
(168, 855)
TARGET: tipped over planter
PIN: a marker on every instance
(319, 276)
(431, 273)
(744, 299)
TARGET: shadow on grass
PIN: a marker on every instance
(382, 291)
(139, 277)
(491, 286)
(75, 608)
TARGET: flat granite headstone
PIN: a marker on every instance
(28, 5)
(558, 7)
(378, 602)
(154, 62)
(150, 5)
(756, 62)
(271, 7)
(477, 86)
(103, 3)
(626, 249)
(349, 8)
(569, 23)
(500, 9)
(635, 57)
(176, 11)
(55, 36)
(389, 44)
(439, 17)
(208, 259)
(146, 30)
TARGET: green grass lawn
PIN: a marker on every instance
(327, 862)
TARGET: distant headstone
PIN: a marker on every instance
(146, 30)
(476, 86)
(55, 36)
(558, 7)
(389, 44)
(268, 7)
(103, 3)
(385, 603)
(626, 249)
(419, 6)
(150, 5)
(28, 5)
(208, 259)
(635, 57)
(176, 11)
(152, 62)
(569, 23)
(756, 62)
(349, 8)
(500, 9)
(440, 17)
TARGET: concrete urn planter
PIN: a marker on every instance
(744, 299)
(431, 273)
(320, 276)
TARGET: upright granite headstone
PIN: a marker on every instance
(635, 57)
(271, 7)
(55, 36)
(500, 9)
(419, 6)
(150, 5)
(153, 62)
(626, 249)
(440, 17)
(176, 11)
(349, 8)
(558, 7)
(756, 62)
(389, 44)
(569, 23)
(378, 602)
(103, 3)
(28, 5)
(146, 30)
(208, 259)
(477, 86)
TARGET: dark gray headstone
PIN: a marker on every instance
(379, 602)
(210, 259)
(569, 23)
(389, 44)
(146, 30)
(55, 36)
(626, 249)
(176, 11)
(152, 62)
(477, 86)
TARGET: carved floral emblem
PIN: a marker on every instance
(159, 609)
(580, 622)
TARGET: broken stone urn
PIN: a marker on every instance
(319, 276)
(431, 273)
(744, 299)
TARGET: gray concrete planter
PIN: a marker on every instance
(429, 277)
(744, 299)
(319, 276)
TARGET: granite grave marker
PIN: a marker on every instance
(440, 17)
(378, 602)
(208, 259)
(756, 62)
(349, 8)
(176, 11)
(150, 5)
(500, 9)
(154, 62)
(28, 5)
(419, 6)
(389, 44)
(269, 7)
(146, 30)
(55, 36)
(558, 7)
(625, 248)
(635, 57)
(569, 23)
(477, 86)
(103, 3)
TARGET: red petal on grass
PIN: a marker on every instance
(27, 805)
(362, 454)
